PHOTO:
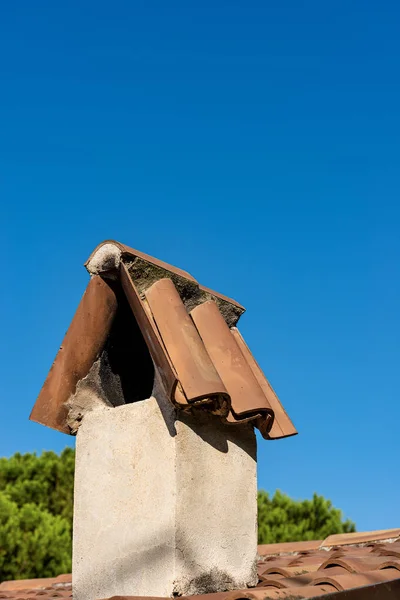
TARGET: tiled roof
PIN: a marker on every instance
(354, 566)
(42, 589)
(189, 330)
(338, 563)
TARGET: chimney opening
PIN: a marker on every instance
(126, 367)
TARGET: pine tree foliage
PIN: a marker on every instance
(33, 542)
(281, 519)
(36, 503)
(46, 480)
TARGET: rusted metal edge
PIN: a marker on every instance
(282, 425)
(80, 348)
(193, 366)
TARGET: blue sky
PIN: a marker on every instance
(254, 144)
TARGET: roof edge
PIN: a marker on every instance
(108, 266)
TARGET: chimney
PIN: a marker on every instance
(163, 395)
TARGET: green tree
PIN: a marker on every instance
(46, 480)
(33, 542)
(281, 519)
(36, 504)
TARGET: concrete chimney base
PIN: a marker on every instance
(165, 503)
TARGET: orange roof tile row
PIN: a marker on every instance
(366, 563)
(338, 539)
(203, 361)
(43, 589)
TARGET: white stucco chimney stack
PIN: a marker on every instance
(164, 504)
(163, 396)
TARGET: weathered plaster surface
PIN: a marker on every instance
(163, 504)
(216, 505)
(106, 259)
(88, 396)
(124, 512)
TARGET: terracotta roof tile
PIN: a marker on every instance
(288, 547)
(344, 539)
(298, 593)
(363, 560)
(358, 564)
(131, 253)
(194, 367)
(385, 550)
(282, 426)
(36, 584)
(43, 589)
(189, 332)
(151, 334)
(346, 581)
(80, 347)
(128, 252)
(230, 363)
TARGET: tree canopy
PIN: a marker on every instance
(36, 505)
(281, 519)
